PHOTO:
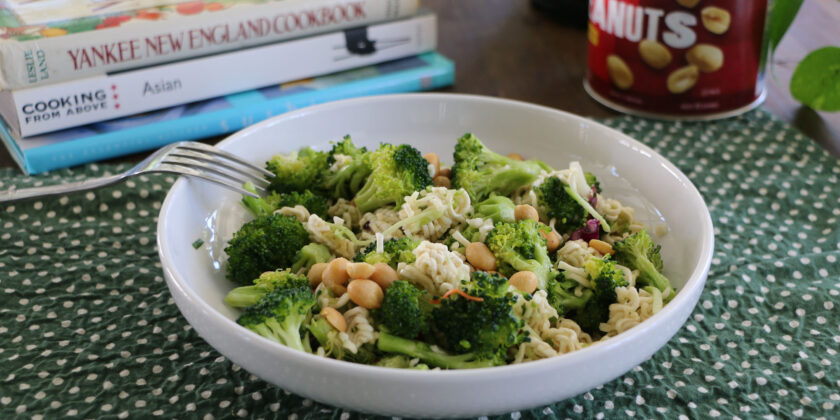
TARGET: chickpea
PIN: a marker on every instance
(480, 257)
(524, 212)
(525, 281)
(515, 156)
(432, 158)
(365, 293)
(335, 275)
(384, 275)
(360, 270)
(335, 318)
(552, 240)
(315, 274)
(447, 172)
(442, 181)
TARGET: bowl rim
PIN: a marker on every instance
(695, 281)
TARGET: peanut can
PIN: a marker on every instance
(677, 59)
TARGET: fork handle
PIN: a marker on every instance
(14, 194)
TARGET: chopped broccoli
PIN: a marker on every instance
(561, 294)
(400, 362)
(397, 171)
(310, 255)
(496, 207)
(349, 178)
(327, 337)
(638, 251)
(264, 244)
(593, 306)
(314, 203)
(486, 327)
(280, 314)
(404, 310)
(605, 277)
(592, 181)
(555, 200)
(520, 246)
(395, 251)
(417, 349)
(244, 296)
(198, 243)
(489, 284)
(297, 171)
(481, 171)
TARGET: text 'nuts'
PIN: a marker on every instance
(715, 19)
(708, 58)
(654, 54)
(688, 3)
(620, 73)
(683, 79)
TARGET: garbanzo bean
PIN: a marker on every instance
(359, 270)
(525, 281)
(335, 318)
(552, 240)
(447, 172)
(365, 293)
(433, 159)
(441, 181)
(525, 211)
(480, 257)
(384, 275)
(315, 274)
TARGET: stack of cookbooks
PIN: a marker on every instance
(88, 80)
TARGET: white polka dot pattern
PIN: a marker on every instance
(89, 328)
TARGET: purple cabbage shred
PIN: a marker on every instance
(589, 231)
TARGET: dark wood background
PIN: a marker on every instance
(510, 49)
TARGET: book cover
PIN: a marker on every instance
(48, 41)
(221, 115)
(68, 104)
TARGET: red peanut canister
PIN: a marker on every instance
(677, 59)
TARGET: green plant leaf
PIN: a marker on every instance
(779, 18)
(816, 80)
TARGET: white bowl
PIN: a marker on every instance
(628, 171)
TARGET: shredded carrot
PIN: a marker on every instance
(458, 291)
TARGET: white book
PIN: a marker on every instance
(49, 41)
(57, 106)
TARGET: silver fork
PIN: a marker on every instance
(188, 158)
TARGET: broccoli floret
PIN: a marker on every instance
(497, 207)
(488, 284)
(561, 294)
(593, 307)
(417, 349)
(605, 277)
(485, 325)
(314, 203)
(348, 180)
(405, 310)
(297, 171)
(310, 255)
(555, 200)
(592, 181)
(266, 243)
(327, 337)
(400, 362)
(481, 171)
(520, 246)
(280, 314)
(638, 251)
(397, 171)
(244, 296)
(395, 251)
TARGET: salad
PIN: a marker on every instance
(388, 257)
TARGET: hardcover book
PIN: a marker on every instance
(221, 115)
(48, 41)
(42, 109)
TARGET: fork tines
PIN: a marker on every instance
(213, 164)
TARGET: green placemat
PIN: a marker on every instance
(89, 329)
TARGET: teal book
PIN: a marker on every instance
(221, 115)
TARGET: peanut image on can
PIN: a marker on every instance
(677, 59)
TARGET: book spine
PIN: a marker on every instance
(48, 108)
(440, 72)
(147, 42)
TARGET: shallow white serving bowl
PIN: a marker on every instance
(432, 122)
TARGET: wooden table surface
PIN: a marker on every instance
(512, 50)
